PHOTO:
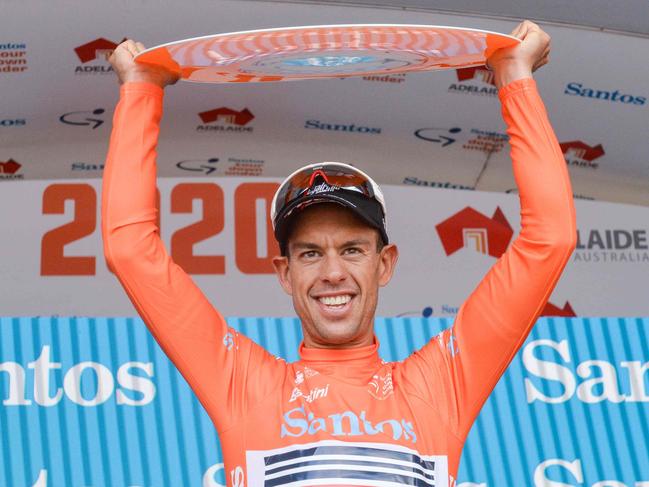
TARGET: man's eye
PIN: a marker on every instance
(309, 254)
(352, 250)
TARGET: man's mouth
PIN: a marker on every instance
(335, 306)
(335, 301)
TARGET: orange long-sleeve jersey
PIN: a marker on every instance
(340, 417)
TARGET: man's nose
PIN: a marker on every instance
(334, 269)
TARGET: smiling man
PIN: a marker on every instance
(329, 220)
(340, 415)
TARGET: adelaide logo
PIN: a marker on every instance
(224, 119)
(470, 228)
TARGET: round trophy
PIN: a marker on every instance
(324, 51)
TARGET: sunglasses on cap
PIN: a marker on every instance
(328, 182)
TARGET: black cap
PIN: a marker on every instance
(368, 209)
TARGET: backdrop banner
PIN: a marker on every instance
(443, 128)
(90, 402)
(218, 230)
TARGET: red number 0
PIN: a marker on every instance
(53, 262)
(212, 223)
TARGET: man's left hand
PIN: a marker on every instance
(522, 60)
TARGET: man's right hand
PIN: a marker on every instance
(122, 60)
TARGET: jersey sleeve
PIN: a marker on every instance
(228, 372)
(458, 369)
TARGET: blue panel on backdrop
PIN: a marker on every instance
(95, 402)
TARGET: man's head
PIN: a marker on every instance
(329, 221)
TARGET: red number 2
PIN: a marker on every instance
(212, 223)
(53, 262)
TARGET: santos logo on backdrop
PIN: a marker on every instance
(552, 467)
(614, 96)
(340, 127)
(224, 119)
(85, 384)
(93, 56)
(13, 57)
(557, 378)
(13, 122)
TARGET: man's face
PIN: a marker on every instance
(333, 275)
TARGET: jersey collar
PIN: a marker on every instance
(369, 353)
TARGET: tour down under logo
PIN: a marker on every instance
(470, 228)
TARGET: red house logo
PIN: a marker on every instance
(579, 150)
(553, 310)
(470, 228)
(9, 167)
(478, 72)
(227, 115)
(91, 50)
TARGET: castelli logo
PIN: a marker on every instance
(470, 228)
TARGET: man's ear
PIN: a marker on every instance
(280, 263)
(388, 261)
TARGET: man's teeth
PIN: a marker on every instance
(335, 300)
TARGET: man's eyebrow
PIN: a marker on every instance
(312, 246)
(359, 242)
(304, 245)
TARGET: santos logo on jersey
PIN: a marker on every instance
(297, 423)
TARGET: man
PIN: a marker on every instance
(340, 415)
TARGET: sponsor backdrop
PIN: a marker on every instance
(94, 402)
(218, 230)
(432, 129)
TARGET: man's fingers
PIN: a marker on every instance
(516, 30)
(542, 62)
(140, 47)
(130, 46)
(522, 30)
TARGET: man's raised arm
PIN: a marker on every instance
(464, 363)
(213, 359)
